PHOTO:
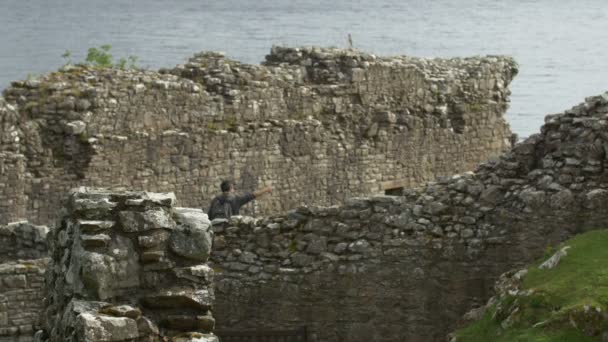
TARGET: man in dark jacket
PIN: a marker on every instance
(228, 203)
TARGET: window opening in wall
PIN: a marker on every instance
(394, 191)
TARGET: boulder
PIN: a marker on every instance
(192, 237)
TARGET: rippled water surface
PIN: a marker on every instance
(561, 46)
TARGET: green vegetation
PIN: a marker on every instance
(293, 246)
(67, 56)
(100, 57)
(231, 121)
(212, 126)
(477, 107)
(567, 303)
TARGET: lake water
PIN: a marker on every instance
(561, 45)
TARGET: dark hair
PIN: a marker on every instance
(226, 185)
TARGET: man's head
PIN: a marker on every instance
(227, 186)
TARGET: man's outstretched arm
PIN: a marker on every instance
(262, 191)
(250, 196)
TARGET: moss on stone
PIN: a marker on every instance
(477, 107)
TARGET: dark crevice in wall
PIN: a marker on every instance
(394, 191)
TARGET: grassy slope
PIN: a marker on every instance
(575, 291)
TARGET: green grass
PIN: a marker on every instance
(580, 276)
(574, 291)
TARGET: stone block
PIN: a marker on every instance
(97, 240)
(155, 239)
(89, 226)
(203, 323)
(192, 237)
(93, 328)
(121, 311)
(201, 299)
(15, 281)
(135, 221)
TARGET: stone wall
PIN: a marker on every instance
(406, 268)
(319, 125)
(384, 268)
(22, 255)
(14, 187)
(129, 266)
(21, 299)
(22, 241)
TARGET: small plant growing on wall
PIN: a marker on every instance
(293, 246)
(101, 57)
(67, 56)
(127, 63)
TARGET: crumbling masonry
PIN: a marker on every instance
(387, 268)
(406, 268)
(129, 266)
(319, 125)
(337, 123)
(23, 260)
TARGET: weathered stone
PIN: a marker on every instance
(196, 337)
(87, 226)
(317, 245)
(146, 327)
(533, 198)
(198, 273)
(563, 199)
(189, 323)
(122, 311)
(435, 208)
(97, 240)
(596, 198)
(134, 221)
(247, 257)
(116, 269)
(94, 328)
(153, 240)
(96, 273)
(197, 299)
(491, 195)
(75, 127)
(192, 237)
(94, 209)
(554, 260)
(360, 246)
(165, 199)
(152, 256)
(15, 281)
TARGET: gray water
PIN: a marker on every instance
(561, 45)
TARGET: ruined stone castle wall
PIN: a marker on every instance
(383, 268)
(22, 241)
(23, 255)
(319, 125)
(21, 299)
(14, 185)
(406, 268)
